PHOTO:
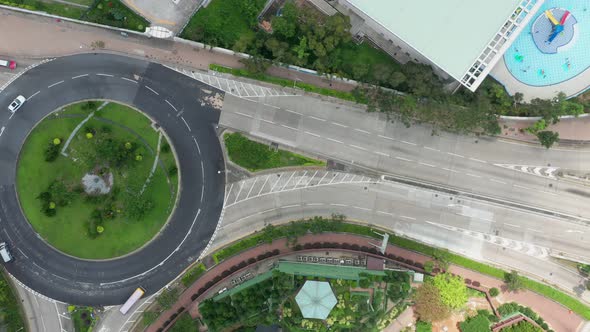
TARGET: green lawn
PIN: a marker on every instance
(68, 230)
(54, 8)
(82, 319)
(255, 156)
(193, 274)
(10, 311)
(116, 14)
(223, 22)
(352, 55)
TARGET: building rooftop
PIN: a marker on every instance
(450, 33)
(316, 299)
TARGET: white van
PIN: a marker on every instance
(5, 253)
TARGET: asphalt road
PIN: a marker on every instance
(486, 166)
(511, 238)
(177, 104)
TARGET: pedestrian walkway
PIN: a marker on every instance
(559, 317)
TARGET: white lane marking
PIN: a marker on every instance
(473, 175)
(315, 204)
(54, 84)
(425, 164)
(431, 149)
(455, 155)
(361, 208)
(130, 80)
(106, 75)
(267, 121)
(336, 204)
(409, 218)
(27, 257)
(169, 103)
(265, 211)
(152, 90)
(534, 230)
(312, 134)
(574, 231)
(389, 138)
(11, 115)
(273, 106)
(290, 111)
(319, 119)
(357, 147)
(522, 187)
(186, 123)
(33, 95)
(290, 206)
(386, 213)
(295, 129)
(362, 131)
(246, 115)
(381, 154)
(512, 225)
(199, 149)
(410, 143)
(548, 193)
(478, 160)
(404, 159)
(79, 76)
(333, 140)
(497, 181)
(450, 170)
(339, 125)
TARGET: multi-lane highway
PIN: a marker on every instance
(482, 165)
(181, 108)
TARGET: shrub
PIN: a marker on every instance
(89, 135)
(51, 152)
(99, 229)
(173, 170)
(149, 317)
(494, 291)
(165, 148)
(476, 284)
(429, 266)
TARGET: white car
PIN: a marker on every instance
(16, 104)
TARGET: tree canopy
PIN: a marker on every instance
(429, 305)
(452, 289)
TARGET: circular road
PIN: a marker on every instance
(176, 103)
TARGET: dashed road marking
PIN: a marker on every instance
(455, 155)
(339, 125)
(385, 213)
(522, 187)
(315, 118)
(33, 95)
(152, 90)
(389, 138)
(106, 75)
(409, 143)
(357, 147)
(295, 129)
(362, 131)
(425, 164)
(450, 170)
(246, 115)
(169, 103)
(185, 123)
(478, 160)
(404, 159)
(130, 80)
(381, 154)
(333, 140)
(512, 225)
(497, 181)
(337, 204)
(312, 134)
(291, 111)
(431, 149)
(407, 217)
(267, 121)
(473, 175)
(79, 76)
(54, 84)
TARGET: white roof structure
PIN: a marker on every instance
(316, 299)
(465, 38)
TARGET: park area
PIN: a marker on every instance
(110, 193)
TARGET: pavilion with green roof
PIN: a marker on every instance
(316, 299)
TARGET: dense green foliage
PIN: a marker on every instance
(115, 13)
(224, 22)
(93, 225)
(168, 297)
(478, 323)
(510, 308)
(548, 138)
(184, 324)
(513, 281)
(10, 313)
(49, 7)
(83, 318)
(423, 326)
(494, 292)
(452, 289)
(522, 326)
(256, 156)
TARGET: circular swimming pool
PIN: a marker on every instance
(554, 46)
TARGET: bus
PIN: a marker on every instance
(132, 300)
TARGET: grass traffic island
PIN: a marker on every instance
(255, 156)
(102, 199)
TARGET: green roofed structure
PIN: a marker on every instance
(316, 299)
(462, 39)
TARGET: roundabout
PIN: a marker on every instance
(178, 107)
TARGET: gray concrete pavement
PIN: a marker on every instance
(172, 15)
(509, 238)
(347, 133)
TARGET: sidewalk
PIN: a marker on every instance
(556, 315)
(570, 129)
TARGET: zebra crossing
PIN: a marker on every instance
(233, 87)
(280, 182)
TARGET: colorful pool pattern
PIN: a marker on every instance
(534, 61)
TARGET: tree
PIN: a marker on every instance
(423, 326)
(256, 64)
(494, 291)
(523, 326)
(479, 323)
(184, 324)
(548, 138)
(442, 258)
(286, 25)
(428, 266)
(396, 79)
(518, 98)
(168, 297)
(513, 281)
(429, 306)
(453, 292)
